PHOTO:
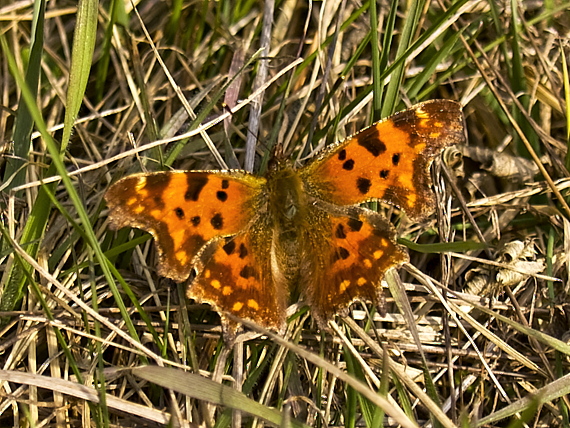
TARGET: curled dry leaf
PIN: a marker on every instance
(520, 261)
(478, 167)
(502, 165)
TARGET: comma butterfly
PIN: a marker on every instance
(249, 240)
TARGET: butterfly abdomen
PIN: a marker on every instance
(287, 206)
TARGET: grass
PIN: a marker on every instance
(472, 334)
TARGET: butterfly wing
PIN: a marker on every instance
(183, 210)
(389, 160)
(350, 266)
(238, 278)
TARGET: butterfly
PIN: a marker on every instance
(243, 242)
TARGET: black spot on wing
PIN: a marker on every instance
(248, 272)
(221, 196)
(348, 165)
(355, 225)
(242, 251)
(340, 232)
(396, 159)
(341, 254)
(384, 173)
(179, 213)
(363, 185)
(370, 140)
(195, 185)
(217, 221)
(229, 248)
(225, 184)
(195, 220)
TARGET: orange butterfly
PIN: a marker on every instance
(250, 240)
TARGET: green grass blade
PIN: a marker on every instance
(566, 82)
(411, 21)
(15, 173)
(199, 387)
(82, 57)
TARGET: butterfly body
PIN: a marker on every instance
(250, 240)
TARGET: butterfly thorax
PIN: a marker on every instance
(287, 199)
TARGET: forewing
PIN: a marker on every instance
(183, 210)
(389, 160)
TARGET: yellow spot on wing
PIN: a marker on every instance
(252, 304)
(378, 254)
(421, 114)
(182, 256)
(367, 263)
(237, 306)
(361, 281)
(420, 147)
(227, 290)
(344, 285)
(178, 237)
(216, 284)
(140, 190)
(411, 200)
